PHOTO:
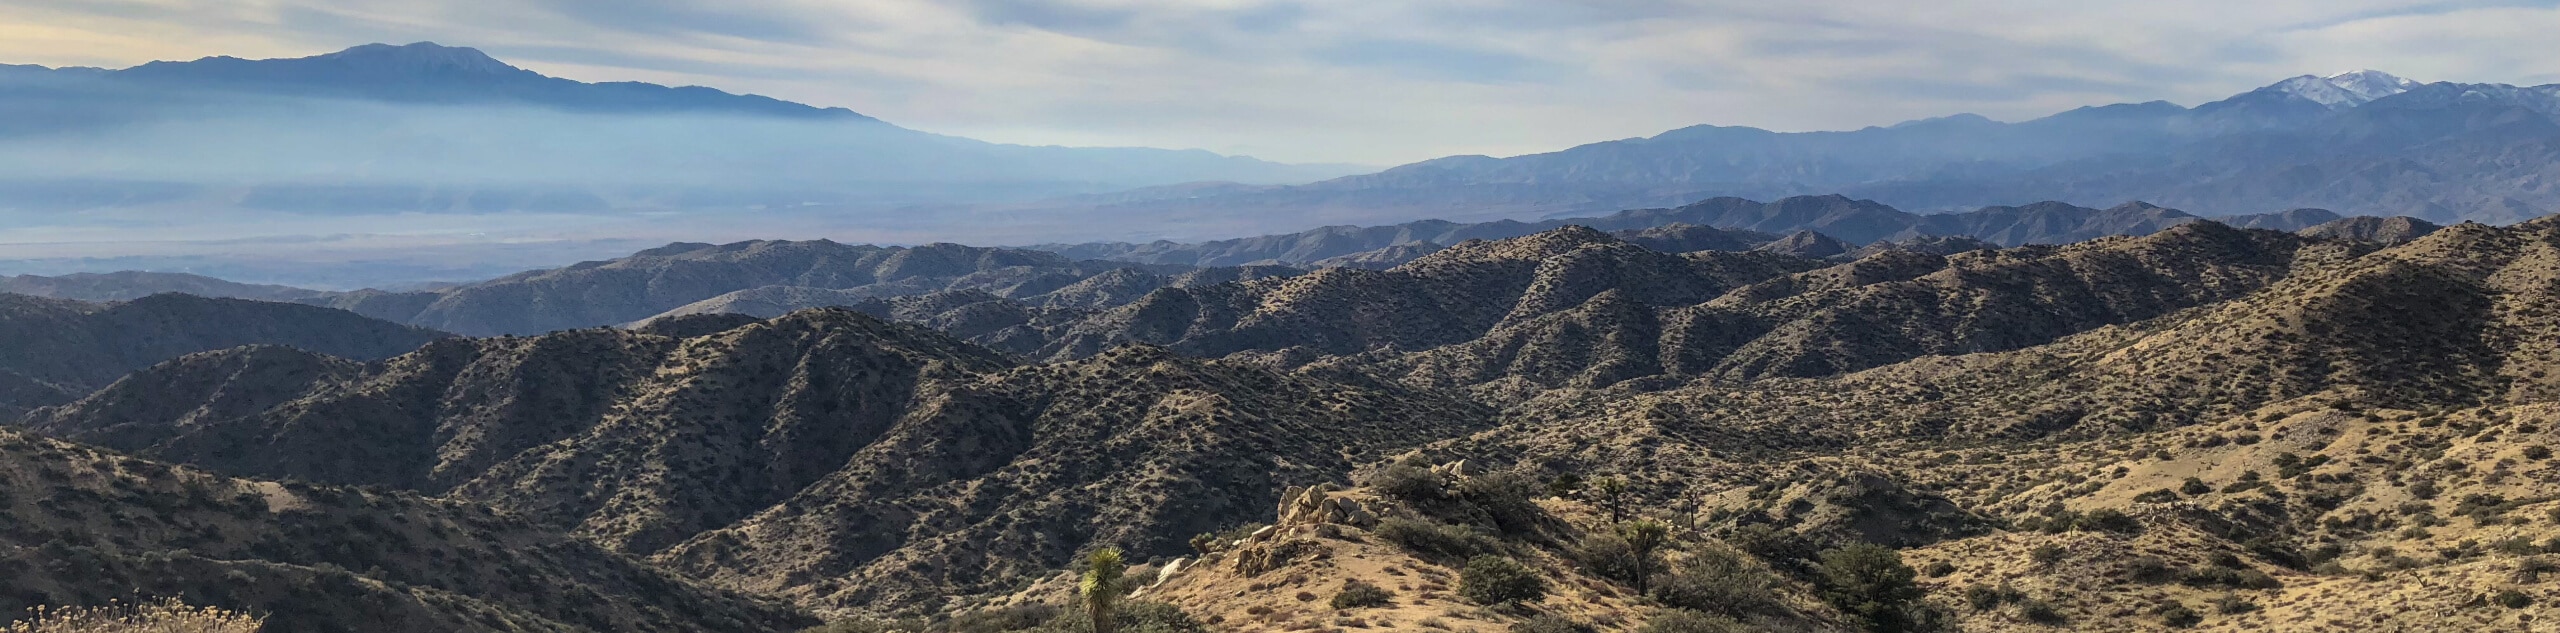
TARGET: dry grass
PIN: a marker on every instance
(160, 616)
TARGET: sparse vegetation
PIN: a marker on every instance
(1358, 594)
(157, 616)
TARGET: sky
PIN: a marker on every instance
(1372, 82)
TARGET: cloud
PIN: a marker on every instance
(1367, 80)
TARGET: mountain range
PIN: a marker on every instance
(2362, 143)
(2198, 416)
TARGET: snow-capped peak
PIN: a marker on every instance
(2344, 90)
(2371, 84)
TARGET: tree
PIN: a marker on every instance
(1613, 492)
(1869, 581)
(1104, 579)
(1645, 537)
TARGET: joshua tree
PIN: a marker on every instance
(1613, 491)
(1101, 589)
(1644, 537)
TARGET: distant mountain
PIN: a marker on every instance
(1735, 221)
(2362, 143)
(129, 285)
(55, 350)
(424, 128)
(2373, 229)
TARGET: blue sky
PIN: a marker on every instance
(1366, 81)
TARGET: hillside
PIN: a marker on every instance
(53, 350)
(84, 526)
(772, 456)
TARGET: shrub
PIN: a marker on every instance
(2040, 612)
(1131, 617)
(998, 620)
(1437, 542)
(1938, 569)
(2231, 604)
(2109, 520)
(2150, 569)
(1509, 497)
(2512, 599)
(1870, 582)
(2162, 495)
(1607, 556)
(2178, 616)
(160, 615)
(1493, 580)
(2046, 555)
(2537, 452)
(1687, 621)
(1550, 623)
(1409, 481)
(1984, 597)
(1360, 595)
(2194, 486)
(1780, 548)
(1720, 582)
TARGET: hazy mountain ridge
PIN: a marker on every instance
(55, 350)
(2360, 143)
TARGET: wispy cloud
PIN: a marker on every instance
(1363, 80)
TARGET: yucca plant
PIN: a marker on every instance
(1105, 575)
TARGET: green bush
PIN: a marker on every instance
(2512, 599)
(1409, 481)
(1782, 549)
(1607, 556)
(1509, 497)
(1437, 542)
(1938, 569)
(1360, 595)
(2040, 612)
(1494, 580)
(1869, 582)
(1720, 582)
(1687, 621)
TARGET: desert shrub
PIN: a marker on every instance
(1938, 569)
(1985, 597)
(2232, 604)
(1783, 549)
(1718, 582)
(2108, 520)
(1438, 542)
(1492, 580)
(1021, 617)
(1409, 481)
(2162, 495)
(865, 625)
(2150, 569)
(1870, 583)
(1550, 623)
(2046, 555)
(1607, 556)
(160, 616)
(1687, 621)
(2537, 452)
(2178, 616)
(2040, 612)
(1130, 617)
(1360, 595)
(2194, 486)
(1509, 497)
(2512, 599)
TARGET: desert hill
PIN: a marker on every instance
(825, 456)
(55, 350)
(84, 526)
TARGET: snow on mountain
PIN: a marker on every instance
(2369, 85)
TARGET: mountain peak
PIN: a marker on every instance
(420, 57)
(2370, 84)
(2343, 90)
